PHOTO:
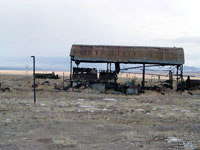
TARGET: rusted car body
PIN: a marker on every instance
(84, 74)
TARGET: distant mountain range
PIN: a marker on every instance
(191, 69)
(63, 64)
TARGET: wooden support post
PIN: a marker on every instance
(143, 77)
(177, 78)
(70, 72)
(63, 80)
(181, 75)
(171, 79)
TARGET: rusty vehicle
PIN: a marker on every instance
(108, 76)
(192, 84)
(46, 76)
(84, 74)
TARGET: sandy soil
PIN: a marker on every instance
(27, 73)
(85, 120)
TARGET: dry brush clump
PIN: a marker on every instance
(63, 141)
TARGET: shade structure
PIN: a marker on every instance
(128, 54)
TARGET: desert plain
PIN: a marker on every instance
(82, 119)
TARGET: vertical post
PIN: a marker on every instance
(63, 79)
(177, 78)
(171, 79)
(158, 78)
(143, 77)
(181, 69)
(34, 86)
(70, 72)
(117, 67)
(188, 82)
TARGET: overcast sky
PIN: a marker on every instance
(50, 27)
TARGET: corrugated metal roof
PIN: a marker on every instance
(128, 54)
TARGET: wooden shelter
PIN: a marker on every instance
(154, 56)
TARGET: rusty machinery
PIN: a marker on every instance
(146, 56)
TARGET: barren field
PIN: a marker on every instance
(85, 120)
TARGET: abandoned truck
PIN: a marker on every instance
(46, 76)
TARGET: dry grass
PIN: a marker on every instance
(86, 120)
(64, 142)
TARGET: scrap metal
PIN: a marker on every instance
(153, 56)
(84, 74)
(46, 76)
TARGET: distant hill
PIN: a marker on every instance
(191, 69)
(63, 64)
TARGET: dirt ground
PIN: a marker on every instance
(85, 120)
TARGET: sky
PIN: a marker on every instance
(48, 28)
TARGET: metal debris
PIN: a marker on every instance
(46, 76)
(144, 56)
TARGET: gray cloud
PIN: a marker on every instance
(49, 27)
(188, 40)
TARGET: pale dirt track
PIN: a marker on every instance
(84, 120)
